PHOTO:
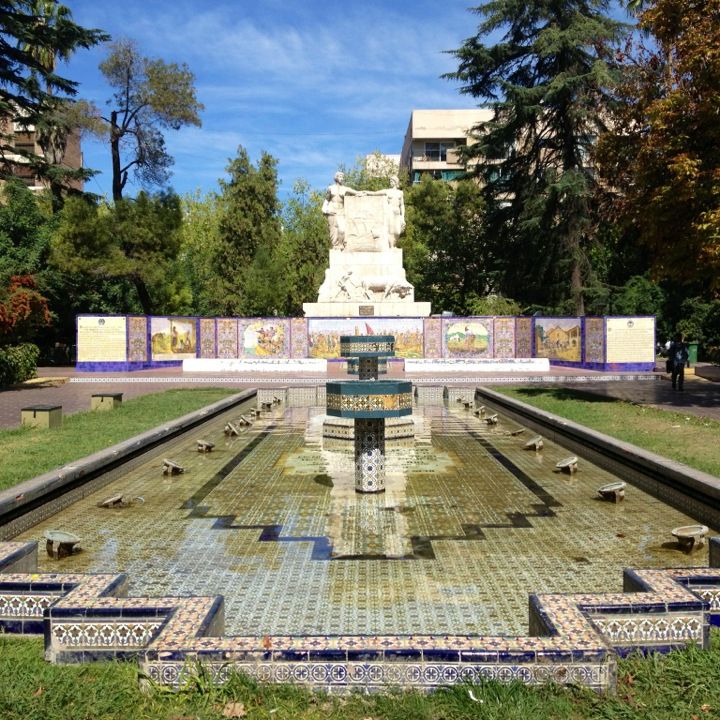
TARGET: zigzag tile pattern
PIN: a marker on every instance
(573, 638)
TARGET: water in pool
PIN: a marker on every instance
(470, 524)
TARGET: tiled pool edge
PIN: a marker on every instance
(692, 491)
(573, 638)
(23, 505)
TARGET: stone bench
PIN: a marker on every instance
(42, 416)
(105, 401)
(60, 544)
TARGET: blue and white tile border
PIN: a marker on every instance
(574, 638)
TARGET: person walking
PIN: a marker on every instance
(678, 356)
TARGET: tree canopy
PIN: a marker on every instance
(546, 81)
(149, 96)
(662, 151)
(33, 33)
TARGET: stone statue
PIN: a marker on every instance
(394, 211)
(334, 209)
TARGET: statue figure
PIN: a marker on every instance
(350, 290)
(394, 211)
(333, 208)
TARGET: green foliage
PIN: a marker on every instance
(447, 253)
(373, 172)
(685, 438)
(24, 242)
(493, 305)
(18, 363)
(31, 34)
(546, 80)
(149, 96)
(659, 687)
(199, 245)
(24, 455)
(249, 232)
(303, 249)
(135, 240)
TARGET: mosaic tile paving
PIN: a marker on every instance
(470, 524)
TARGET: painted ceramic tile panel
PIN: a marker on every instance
(594, 340)
(227, 337)
(558, 339)
(264, 338)
(432, 328)
(467, 337)
(324, 334)
(504, 337)
(207, 338)
(523, 337)
(299, 337)
(137, 339)
(173, 338)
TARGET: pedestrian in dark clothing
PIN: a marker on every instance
(678, 355)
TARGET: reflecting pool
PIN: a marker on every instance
(470, 524)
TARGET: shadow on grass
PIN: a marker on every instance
(561, 393)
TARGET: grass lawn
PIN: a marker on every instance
(27, 452)
(660, 687)
(686, 438)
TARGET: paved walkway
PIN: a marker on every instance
(72, 390)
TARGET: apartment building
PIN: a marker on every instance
(23, 137)
(432, 141)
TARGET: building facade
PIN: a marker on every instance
(23, 138)
(433, 139)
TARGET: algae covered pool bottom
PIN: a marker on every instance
(470, 524)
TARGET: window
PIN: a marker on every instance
(437, 151)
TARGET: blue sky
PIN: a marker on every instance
(316, 84)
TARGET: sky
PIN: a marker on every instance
(315, 84)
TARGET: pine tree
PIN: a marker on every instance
(545, 80)
(249, 230)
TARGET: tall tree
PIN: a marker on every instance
(32, 36)
(447, 254)
(303, 249)
(662, 151)
(150, 96)
(546, 81)
(249, 228)
(136, 240)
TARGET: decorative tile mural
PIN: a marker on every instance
(207, 338)
(432, 337)
(324, 334)
(264, 337)
(173, 338)
(298, 337)
(227, 338)
(504, 337)
(558, 338)
(523, 337)
(594, 340)
(137, 339)
(467, 337)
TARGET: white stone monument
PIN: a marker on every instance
(366, 276)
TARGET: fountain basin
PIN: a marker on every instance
(367, 399)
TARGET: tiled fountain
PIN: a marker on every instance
(369, 402)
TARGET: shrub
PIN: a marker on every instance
(18, 363)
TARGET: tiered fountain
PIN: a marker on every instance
(369, 401)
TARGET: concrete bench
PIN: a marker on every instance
(42, 416)
(105, 401)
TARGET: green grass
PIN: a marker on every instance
(686, 438)
(661, 687)
(28, 452)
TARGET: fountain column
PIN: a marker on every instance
(369, 401)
